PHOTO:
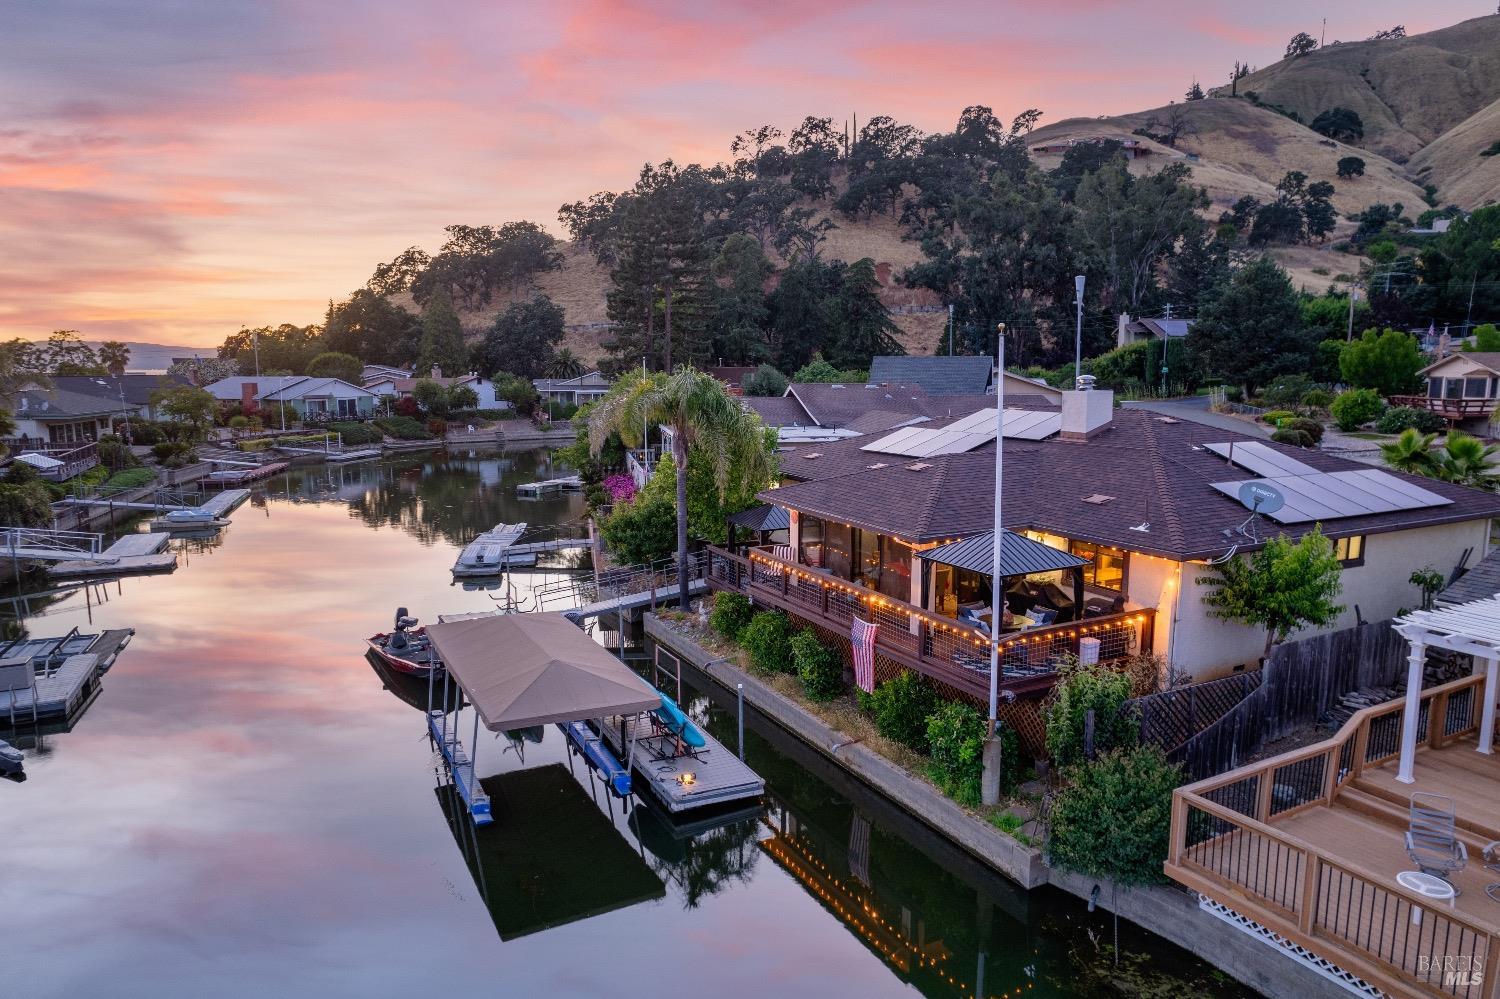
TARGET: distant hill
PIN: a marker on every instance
(158, 356)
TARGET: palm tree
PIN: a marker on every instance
(115, 356)
(1467, 461)
(1411, 452)
(565, 364)
(702, 416)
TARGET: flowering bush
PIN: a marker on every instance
(620, 487)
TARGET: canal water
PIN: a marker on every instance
(250, 808)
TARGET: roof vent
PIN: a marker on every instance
(918, 466)
(1167, 419)
(878, 464)
(813, 454)
(1098, 499)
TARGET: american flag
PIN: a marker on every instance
(862, 636)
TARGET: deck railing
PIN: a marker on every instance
(1452, 409)
(938, 647)
(1225, 845)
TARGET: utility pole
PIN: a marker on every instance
(990, 779)
(1078, 334)
(1469, 316)
(950, 326)
(1353, 294)
(1322, 35)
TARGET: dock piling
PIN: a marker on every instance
(739, 696)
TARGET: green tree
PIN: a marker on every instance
(702, 415)
(442, 337)
(1386, 361)
(1341, 124)
(1301, 44)
(431, 396)
(64, 353)
(1198, 270)
(400, 274)
(819, 371)
(640, 531)
(368, 326)
(1486, 337)
(1350, 167)
(334, 364)
(522, 340)
(478, 261)
(740, 315)
(188, 406)
(1468, 461)
(565, 364)
(1353, 409)
(517, 391)
(764, 381)
(1284, 586)
(461, 397)
(1252, 331)
(1113, 818)
(1412, 453)
(1080, 690)
(1194, 93)
(115, 357)
(282, 348)
(863, 328)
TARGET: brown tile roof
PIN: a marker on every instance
(1158, 482)
(778, 411)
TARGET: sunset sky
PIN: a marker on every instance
(173, 169)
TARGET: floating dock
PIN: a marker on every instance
(460, 767)
(709, 776)
(336, 455)
(133, 553)
(230, 478)
(488, 554)
(547, 487)
(45, 677)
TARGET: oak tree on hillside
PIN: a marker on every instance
(522, 340)
(1301, 44)
(372, 328)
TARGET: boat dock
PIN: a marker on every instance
(44, 677)
(78, 553)
(333, 454)
(233, 477)
(547, 487)
(214, 506)
(631, 604)
(489, 554)
(459, 766)
(708, 776)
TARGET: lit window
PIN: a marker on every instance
(1106, 568)
(1350, 551)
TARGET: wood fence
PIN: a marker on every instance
(1171, 717)
(1299, 683)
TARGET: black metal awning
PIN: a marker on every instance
(766, 517)
(1019, 555)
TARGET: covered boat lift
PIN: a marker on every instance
(518, 671)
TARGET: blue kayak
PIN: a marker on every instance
(598, 755)
(674, 721)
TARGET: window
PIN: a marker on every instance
(810, 540)
(895, 568)
(1106, 568)
(348, 407)
(1350, 551)
(1434, 388)
(837, 549)
(1475, 388)
(1455, 389)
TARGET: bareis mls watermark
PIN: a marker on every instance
(1461, 971)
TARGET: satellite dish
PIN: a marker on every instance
(1261, 497)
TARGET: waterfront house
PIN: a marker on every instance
(59, 415)
(1461, 386)
(135, 392)
(585, 388)
(1143, 500)
(402, 385)
(311, 398)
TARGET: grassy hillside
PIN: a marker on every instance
(1243, 149)
(1408, 91)
(1453, 163)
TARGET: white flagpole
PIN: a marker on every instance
(990, 783)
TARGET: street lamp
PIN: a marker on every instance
(1078, 335)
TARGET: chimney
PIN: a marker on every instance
(1122, 331)
(247, 395)
(1086, 410)
(437, 372)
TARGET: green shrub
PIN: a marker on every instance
(955, 736)
(642, 531)
(1399, 418)
(901, 706)
(1317, 398)
(19, 473)
(768, 640)
(732, 611)
(1234, 393)
(1275, 416)
(403, 428)
(1353, 409)
(1081, 689)
(356, 434)
(25, 504)
(115, 453)
(145, 433)
(1287, 391)
(820, 668)
(238, 422)
(130, 478)
(1113, 817)
(764, 381)
(1292, 438)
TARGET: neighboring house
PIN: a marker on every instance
(134, 391)
(1129, 148)
(1143, 500)
(62, 416)
(402, 386)
(1128, 331)
(956, 375)
(818, 412)
(323, 398)
(311, 398)
(378, 372)
(589, 387)
(733, 376)
(1461, 386)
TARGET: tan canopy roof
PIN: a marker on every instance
(520, 670)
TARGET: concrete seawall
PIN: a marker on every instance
(1168, 912)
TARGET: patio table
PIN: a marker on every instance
(1427, 886)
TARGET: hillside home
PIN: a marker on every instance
(1128, 330)
(1460, 386)
(576, 391)
(1141, 501)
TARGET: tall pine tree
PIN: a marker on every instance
(442, 337)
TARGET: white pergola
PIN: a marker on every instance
(1473, 629)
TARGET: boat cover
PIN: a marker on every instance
(533, 669)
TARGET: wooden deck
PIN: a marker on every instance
(716, 775)
(1309, 844)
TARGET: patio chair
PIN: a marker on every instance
(1432, 840)
(1491, 856)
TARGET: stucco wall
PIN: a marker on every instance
(1206, 647)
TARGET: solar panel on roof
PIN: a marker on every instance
(1320, 496)
(967, 434)
(1261, 459)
